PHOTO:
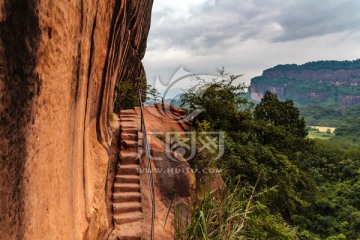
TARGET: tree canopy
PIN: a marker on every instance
(311, 185)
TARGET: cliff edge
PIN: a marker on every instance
(322, 82)
(59, 63)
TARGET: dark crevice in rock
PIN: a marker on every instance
(49, 32)
(107, 65)
(92, 46)
(20, 36)
(133, 18)
(78, 67)
(115, 37)
(81, 15)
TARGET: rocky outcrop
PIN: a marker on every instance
(334, 82)
(59, 62)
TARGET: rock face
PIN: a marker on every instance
(333, 82)
(59, 62)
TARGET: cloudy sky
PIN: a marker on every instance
(248, 36)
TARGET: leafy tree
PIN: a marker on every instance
(281, 113)
(255, 146)
(351, 128)
(220, 98)
(312, 185)
(127, 96)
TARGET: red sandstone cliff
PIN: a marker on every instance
(59, 62)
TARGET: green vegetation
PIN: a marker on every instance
(331, 65)
(325, 94)
(351, 128)
(294, 82)
(235, 212)
(296, 188)
(111, 116)
(317, 134)
(126, 93)
(332, 116)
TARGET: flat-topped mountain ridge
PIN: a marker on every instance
(325, 82)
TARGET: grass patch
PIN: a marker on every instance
(236, 212)
(313, 134)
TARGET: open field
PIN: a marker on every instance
(320, 133)
(324, 128)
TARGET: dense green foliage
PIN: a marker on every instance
(127, 96)
(312, 185)
(279, 113)
(330, 116)
(331, 65)
(336, 209)
(351, 128)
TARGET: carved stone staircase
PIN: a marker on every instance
(127, 208)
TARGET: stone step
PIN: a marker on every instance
(127, 112)
(127, 197)
(128, 115)
(129, 136)
(129, 169)
(126, 237)
(128, 155)
(130, 231)
(128, 119)
(128, 131)
(135, 161)
(128, 217)
(129, 124)
(126, 187)
(129, 158)
(131, 144)
(127, 179)
(126, 207)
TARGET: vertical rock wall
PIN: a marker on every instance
(59, 62)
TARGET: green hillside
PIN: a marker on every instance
(326, 92)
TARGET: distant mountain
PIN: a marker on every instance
(327, 83)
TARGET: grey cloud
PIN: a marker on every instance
(211, 23)
(318, 18)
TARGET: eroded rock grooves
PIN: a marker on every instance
(59, 62)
